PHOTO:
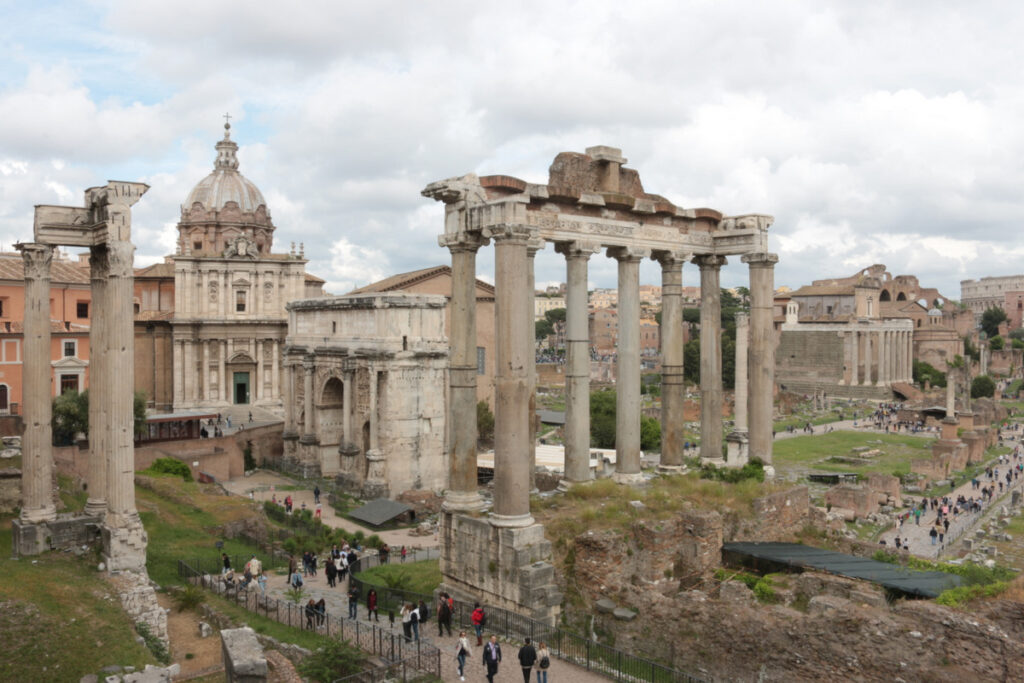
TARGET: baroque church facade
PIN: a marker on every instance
(227, 325)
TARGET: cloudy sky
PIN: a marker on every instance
(873, 131)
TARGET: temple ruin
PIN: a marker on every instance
(590, 204)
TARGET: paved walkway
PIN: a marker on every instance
(259, 485)
(918, 534)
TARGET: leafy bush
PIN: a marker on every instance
(170, 466)
(331, 661)
(925, 371)
(958, 597)
(484, 423)
(189, 597)
(155, 645)
(764, 592)
(732, 475)
(982, 386)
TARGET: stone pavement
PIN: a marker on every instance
(962, 524)
(336, 600)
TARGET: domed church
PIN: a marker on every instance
(230, 289)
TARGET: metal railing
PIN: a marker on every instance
(415, 658)
(570, 647)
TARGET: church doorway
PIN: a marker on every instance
(241, 387)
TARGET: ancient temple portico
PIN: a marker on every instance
(591, 204)
(104, 226)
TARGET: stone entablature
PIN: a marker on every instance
(366, 377)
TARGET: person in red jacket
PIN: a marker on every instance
(479, 619)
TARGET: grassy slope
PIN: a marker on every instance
(813, 452)
(420, 577)
(59, 619)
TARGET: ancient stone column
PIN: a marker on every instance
(124, 539)
(289, 403)
(205, 374)
(179, 370)
(710, 356)
(883, 357)
(374, 375)
(577, 370)
(275, 371)
(513, 336)
(99, 377)
(738, 440)
(869, 358)
(950, 394)
(627, 367)
(531, 372)
(309, 423)
(37, 388)
(673, 390)
(462, 491)
(347, 442)
(855, 359)
(761, 357)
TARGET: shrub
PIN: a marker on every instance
(958, 597)
(731, 475)
(155, 645)
(764, 592)
(331, 661)
(170, 466)
(982, 386)
(189, 597)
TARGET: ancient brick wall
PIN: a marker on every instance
(809, 357)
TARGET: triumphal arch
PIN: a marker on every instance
(590, 205)
(103, 225)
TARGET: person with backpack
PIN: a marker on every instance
(479, 620)
(527, 658)
(414, 621)
(543, 662)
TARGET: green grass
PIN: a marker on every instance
(815, 452)
(182, 523)
(56, 621)
(73, 499)
(265, 625)
(418, 577)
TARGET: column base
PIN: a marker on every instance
(463, 501)
(309, 439)
(737, 449)
(289, 435)
(96, 507)
(40, 515)
(511, 521)
(61, 533)
(124, 543)
(565, 484)
(671, 469)
(628, 478)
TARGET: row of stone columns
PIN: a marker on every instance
(111, 470)
(514, 402)
(215, 385)
(878, 357)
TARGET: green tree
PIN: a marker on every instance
(332, 660)
(602, 418)
(543, 329)
(982, 386)
(1017, 344)
(990, 320)
(650, 434)
(555, 315)
(484, 423)
(70, 416)
(925, 371)
(691, 361)
(1017, 333)
(970, 350)
(691, 315)
(997, 343)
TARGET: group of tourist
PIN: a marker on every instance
(251, 573)
(531, 659)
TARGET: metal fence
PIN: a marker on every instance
(568, 646)
(413, 659)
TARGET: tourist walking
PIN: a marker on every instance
(227, 563)
(371, 605)
(353, 601)
(332, 572)
(479, 620)
(407, 621)
(444, 615)
(543, 662)
(527, 658)
(316, 494)
(492, 657)
(414, 621)
(462, 651)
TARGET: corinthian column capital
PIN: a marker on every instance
(709, 261)
(37, 259)
(120, 258)
(760, 260)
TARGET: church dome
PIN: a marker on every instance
(225, 184)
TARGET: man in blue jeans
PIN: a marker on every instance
(353, 601)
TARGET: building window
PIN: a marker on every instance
(137, 308)
(2, 307)
(198, 246)
(68, 383)
(82, 309)
(69, 349)
(240, 301)
(481, 360)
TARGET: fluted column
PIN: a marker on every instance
(710, 356)
(869, 359)
(673, 391)
(207, 394)
(742, 375)
(99, 376)
(290, 432)
(627, 367)
(346, 410)
(514, 337)
(883, 357)
(855, 358)
(124, 537)
(257, 394)
(531, 371)
(179, 371)
(275, 371)
(462, 491)
(577, 366)
(309, 425)
(221, 370)
(37, 439)
(374, 418)
(761, 357)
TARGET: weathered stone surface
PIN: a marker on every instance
(735, 592)
(623, 614)
(825, 604)
(605, 606)
(243, 656)
(205, 630)
(422, 502)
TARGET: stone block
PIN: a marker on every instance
(244, 661)
(623, 614)
(604, 606)
(736, 592)
(826, 604)
(205, 630)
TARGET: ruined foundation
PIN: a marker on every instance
(500, 566)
